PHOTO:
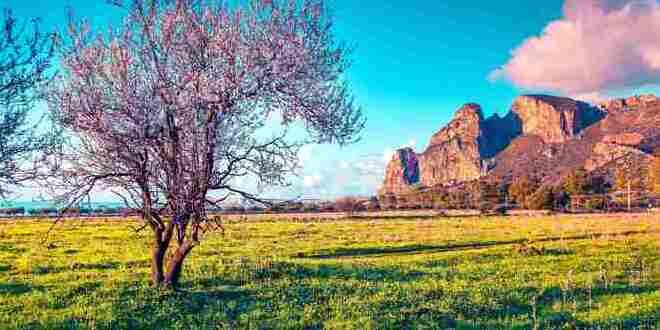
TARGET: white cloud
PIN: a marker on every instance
(593, 97)
(325, 177)
(412, 143)
(312, 181)
(388, 154)
(306, 153)
(599, 45)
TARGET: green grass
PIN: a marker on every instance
(465, 273)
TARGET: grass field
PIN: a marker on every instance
(560, 272)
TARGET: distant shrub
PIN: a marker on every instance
(328, 208)
(275, 209)
(345, 204)
(235, 209)
(373, 206)
(294, 207)
(107, 210)
(576, 182)
(522, 189)
(43, 211)
(595, 204)
(255, 209)
(310, 208)
(541, 199)
(127, 212)
(13, 211)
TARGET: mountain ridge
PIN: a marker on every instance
(541, 134)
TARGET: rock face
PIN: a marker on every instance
(541, 134)
(458, 152)
(626, 139)
(604, 153)
(402, 172)
(553, 119)
(454, 152)
(629, 103)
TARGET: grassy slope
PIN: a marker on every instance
(395, 274)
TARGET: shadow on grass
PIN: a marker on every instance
(420, 248)
(149, 308)
(552, 318)
(231, 301)
(556, 252)
(75, 267)
(18, 288)
(66, 298)
(95, 266)
(404, 250)
(11, 248)
(258, 273)
(143, 307)
(284, 294)
(552, 313)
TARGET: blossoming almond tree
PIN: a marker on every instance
(170, 108)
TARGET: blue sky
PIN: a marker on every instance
(415, 63)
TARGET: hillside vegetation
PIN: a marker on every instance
(466, 273)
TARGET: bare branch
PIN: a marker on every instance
(25, 55)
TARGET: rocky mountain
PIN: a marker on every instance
(541, 134)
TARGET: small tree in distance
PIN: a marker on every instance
(629, 178)
(171, 108)
(347, 204)
(521, 190)
(576, 182)
(541, 199)
(654, 173)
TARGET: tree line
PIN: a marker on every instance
(632, 181)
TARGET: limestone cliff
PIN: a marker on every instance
(456, 153)
(542, 134)
(453, 153)
(604, 153)
(629, 103)
(402, 172)
(553, 119)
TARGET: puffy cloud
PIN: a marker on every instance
(388, 154)
(577, 9)
(412, 143)
(598, 45)
(306, 153)
(593, 97)
(320, 177)
(312, 181)
(358, 177)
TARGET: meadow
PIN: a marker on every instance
(550, 272)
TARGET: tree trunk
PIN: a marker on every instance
(157, 262)
(175, 266)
